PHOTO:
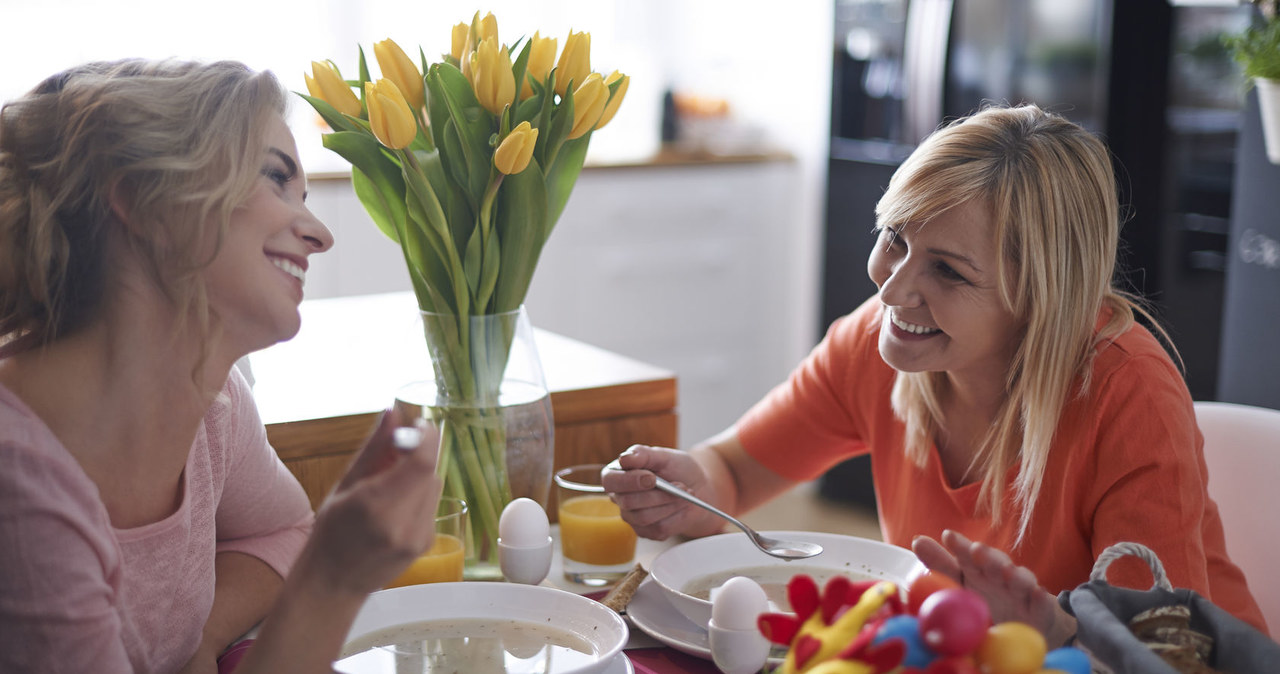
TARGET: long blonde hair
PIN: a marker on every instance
(1053, 201)
(179, 142)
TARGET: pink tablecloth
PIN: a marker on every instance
(668, 661)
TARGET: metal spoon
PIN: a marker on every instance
(769, 546)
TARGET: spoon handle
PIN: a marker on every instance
(676, 491)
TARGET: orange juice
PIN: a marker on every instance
(441, 564)
(592, 531)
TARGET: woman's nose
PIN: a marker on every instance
(314, 232)
(900, 289)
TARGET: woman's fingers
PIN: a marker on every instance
(933, 555)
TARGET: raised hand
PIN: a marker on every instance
(652, 513)
(1012, 592)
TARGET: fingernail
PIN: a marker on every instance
(406, 438)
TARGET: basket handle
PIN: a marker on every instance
(1118, 550)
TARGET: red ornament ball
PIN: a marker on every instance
(954, 621)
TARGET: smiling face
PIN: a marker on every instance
(255, 282)
(942, 306)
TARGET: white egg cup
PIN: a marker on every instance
(737, 651)
(528, 565)
(737, 646)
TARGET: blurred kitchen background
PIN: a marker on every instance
(726, 214)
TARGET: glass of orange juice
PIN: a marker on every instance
(444, 561)
(597, 547)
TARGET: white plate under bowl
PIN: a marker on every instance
(602, 628)
(859, 558)
(650, 611)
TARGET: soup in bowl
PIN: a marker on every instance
(482, 628)
(690, 572)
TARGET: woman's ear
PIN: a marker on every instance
(120, 199)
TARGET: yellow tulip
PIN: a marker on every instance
(542, 55)
(615, 99)
(575, 62)
(389, 116)
(588, 103)
(327, 85)
(488, 28)
(397, 67)
(459, 41)
(492, 79)
(515, 151)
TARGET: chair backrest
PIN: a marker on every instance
(1242, 450)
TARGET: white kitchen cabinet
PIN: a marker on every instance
(689, 266)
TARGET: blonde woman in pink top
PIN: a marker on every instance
(153, 230)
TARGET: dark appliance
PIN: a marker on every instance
(902, 67)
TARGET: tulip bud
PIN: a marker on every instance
(492, 79)
(615, 99)
(389, 116)
(515, 151)
(458, 41)
(588, 103)
(575, 62)
(488, 28)
(397, 67)
(542, 55)
(327, 85)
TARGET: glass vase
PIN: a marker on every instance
(489, 399)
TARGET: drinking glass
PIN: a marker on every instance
(443, 563)
(597, 546)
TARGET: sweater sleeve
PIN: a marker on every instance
(58, 608)
(262, 510)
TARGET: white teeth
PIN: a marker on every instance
(911, 327)
(290, 268)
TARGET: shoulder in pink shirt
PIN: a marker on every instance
(78, 595)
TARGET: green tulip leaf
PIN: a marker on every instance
(473, 126)
(336, 120)
(492, 264)
(364, 70)
(453, 200)
(471, 262)
(519, 68)
(520, 219)
(562, 176)
(379, 183)
(386, 210)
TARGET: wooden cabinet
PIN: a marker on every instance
(321, 392)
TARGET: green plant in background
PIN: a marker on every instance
(1257, 49)
(467, 164)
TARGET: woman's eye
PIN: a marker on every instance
(277, 176)
(949, 273)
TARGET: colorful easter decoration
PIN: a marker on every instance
(867, 627)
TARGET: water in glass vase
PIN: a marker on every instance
(491, 452)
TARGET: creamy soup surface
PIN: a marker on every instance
(466, 646)
(772, 579)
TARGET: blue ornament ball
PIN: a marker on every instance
(1068, 659)
(907, 628)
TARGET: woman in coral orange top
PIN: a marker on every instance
(1019, 420)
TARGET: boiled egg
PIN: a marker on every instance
(523, 524)
(736, 604)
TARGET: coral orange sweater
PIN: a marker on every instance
(1126, 465)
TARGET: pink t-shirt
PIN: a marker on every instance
(78, 595)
